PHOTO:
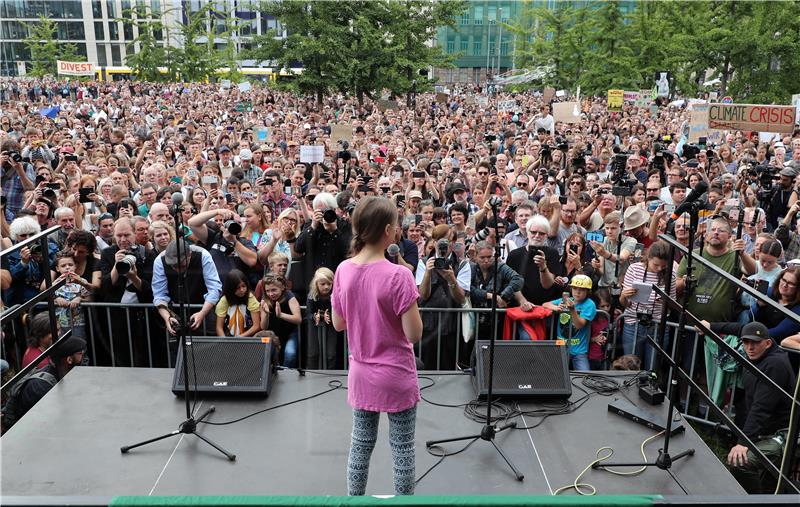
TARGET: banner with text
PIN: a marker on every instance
(615, 99)
(698, 126)
(75, 68)
(760, 118)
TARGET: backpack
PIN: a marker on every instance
(11, 409)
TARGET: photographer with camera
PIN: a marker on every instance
(325, 242)
(781, 198)
(509, 283)
(201, 283)
(443, 282)
(271, 187)
(16, 176)
(219, 232)
(126, 270)
(24, 265)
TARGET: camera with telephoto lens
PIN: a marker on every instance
(495, 201)
(125, 264)
(15, 156)
(233, 227)
(329, 215)
(482, 235)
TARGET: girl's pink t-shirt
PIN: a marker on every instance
(372, 298)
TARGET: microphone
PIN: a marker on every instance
(393, 250)
(697, 192)
(177, 199)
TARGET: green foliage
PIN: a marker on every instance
(356, 47)
(45, 48)
(751, 46)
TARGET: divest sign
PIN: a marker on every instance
(759, 118)
(75, 68)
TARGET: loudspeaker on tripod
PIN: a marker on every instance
(522, 369)
(227, 366)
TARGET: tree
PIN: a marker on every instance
(45, 48)
(358, 47)
(198, 59)
(145, 56)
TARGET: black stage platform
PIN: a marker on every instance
(68, 445)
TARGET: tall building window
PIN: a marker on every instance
(504, 48)
(111, 8)
(128, 30)
(465, 18)
(113, 30)
(99, 32)
(492, 14)
(464, 45)
(478, 15)
(116, 59)
(476, 48)
(102, 59)
(97, 8)
(451, 46)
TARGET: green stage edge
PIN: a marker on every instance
(331, 501)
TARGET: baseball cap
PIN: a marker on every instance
(415, 194)
(754, 331)
(66, 348)
(224, 148)
(171, 253)
(245, 154)
(788, 171)
(692, 162)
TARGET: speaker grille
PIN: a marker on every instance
(225, 365)
(523, 368)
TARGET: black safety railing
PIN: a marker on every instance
(15, 311)
(671, 304)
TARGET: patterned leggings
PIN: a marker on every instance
(401, 441)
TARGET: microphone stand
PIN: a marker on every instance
(664, 460)
(189, 425)
(489, 431)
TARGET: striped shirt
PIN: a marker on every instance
(638, 273)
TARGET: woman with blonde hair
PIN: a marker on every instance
(161, 233)
(256, 222)
(280, 237)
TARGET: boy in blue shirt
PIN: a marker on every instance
(576, 312)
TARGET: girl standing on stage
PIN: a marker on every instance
(376, 301)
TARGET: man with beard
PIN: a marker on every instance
(537, 264)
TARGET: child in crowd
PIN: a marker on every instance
(238, 310)
(322, 337)
(280, 313)
(40, 337)
(597, 344)
(69, 297)
(576, 315)
(376, 301)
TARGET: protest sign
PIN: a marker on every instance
(341, 132)
(630, 96)
(483, 100)
(245, 87)
(567, 112)
(549, 93)
(698, 126)
(615, 99)
(312, 154)
(225, 84)
(262, 134)
(442, 98)
(560, 93)
(383, 105)
(796, 102)
(506, 106)
(75, 68)
(244, 106)
(759, 118)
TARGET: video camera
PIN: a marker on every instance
(440, 262)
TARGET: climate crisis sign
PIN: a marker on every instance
(759, 118)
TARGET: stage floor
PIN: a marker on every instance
(68, 445)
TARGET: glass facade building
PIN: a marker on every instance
(93, 26)
(483, 45)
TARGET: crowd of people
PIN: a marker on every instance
(147, 180)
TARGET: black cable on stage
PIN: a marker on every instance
(442, 456)
(335, 385)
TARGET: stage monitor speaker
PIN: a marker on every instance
(522, 369)
(227, 366)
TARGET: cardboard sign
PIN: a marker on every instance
(383, 105)
(560, 93)
(312, 154)
(549, 93)
(567, 112)
(615, 99)
(698, 126)
(759, 118)
(75, 68)
(630, 96)
(796, 102)
(245, 87)
(341, 132)
(506, 106)
(442, 98)
(225, 84)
